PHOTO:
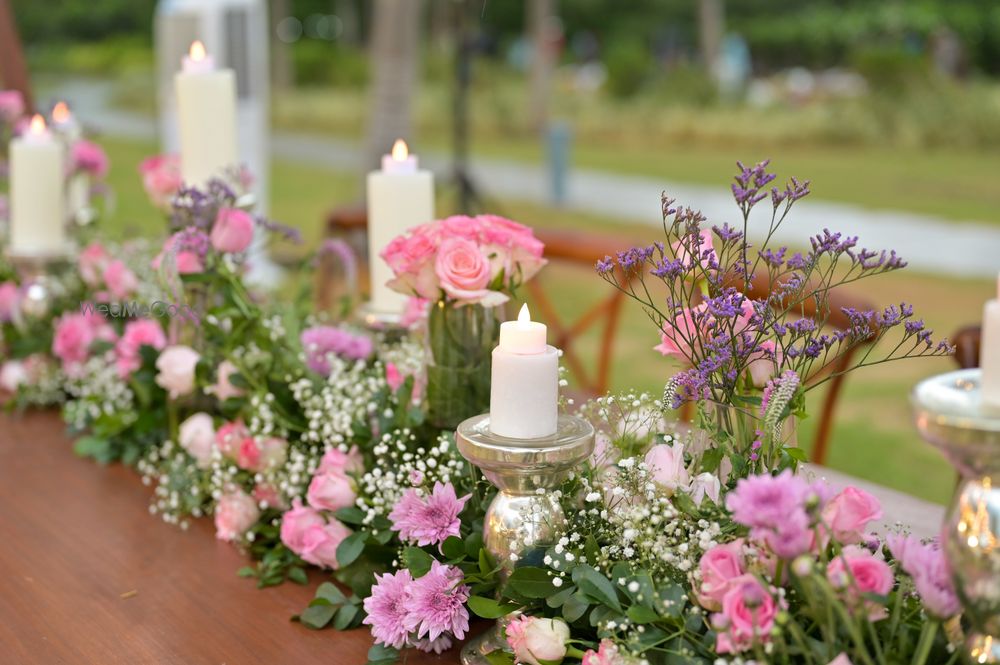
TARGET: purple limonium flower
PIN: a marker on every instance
(435, 604)
(605, 265)
(430, 520)
(386, 609)
(321, 341)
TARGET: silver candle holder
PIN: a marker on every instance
(950, 415)
(388, 324)
(38, 286)
(524, 517)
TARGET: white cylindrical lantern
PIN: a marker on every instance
(524, 390)
(989, 353)
(78, 186)
(400, 196)
(206, 112)
(37, 192)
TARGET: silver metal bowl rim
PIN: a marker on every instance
(948, 418)
(573, 442)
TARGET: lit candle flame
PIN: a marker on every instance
(524, 316)
(197, 52)
(399, 151)
(37, 124)
(60, 112)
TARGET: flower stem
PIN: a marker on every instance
(927, 634)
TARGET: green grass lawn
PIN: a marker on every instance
(873, 436)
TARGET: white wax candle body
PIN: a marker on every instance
(396, 203)
(989, 355)
(524, 394)
(206, 111)
(37, 196)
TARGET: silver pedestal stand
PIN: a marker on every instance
(37, 284)
(524, 518)
(950, 415)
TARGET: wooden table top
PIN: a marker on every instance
(87, 576)
(75, 537)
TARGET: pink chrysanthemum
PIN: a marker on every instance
(430, 520)
(435, 604)
(386, 609)
(440, 645)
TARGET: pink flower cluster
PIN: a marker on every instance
(428, 520)
(10, 302)
(252, 453)
(426, 613)
(74, 335)
(137, 334)
(161, 178)
(321, 341)
(90, 158)
(927, 565)
(306, 532)
(110, 277)
(466, 260)
(11, 105)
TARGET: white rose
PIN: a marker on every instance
(176, 370)
(197, 436)
(705, 484)
(666, 465)
(12, 375)
(544, 640)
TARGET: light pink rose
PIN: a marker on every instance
(91, 263)
(268, 496)
(235, 514)
(74, 335)
(748, 610)
(232, 231)
(295, 523)
(13, 374)
(677, 335)
(90, 158)
(10, 301)
(185, 261)
(666, 466)
(261, 454)
(161, 177)
(705, 252)
(337, 461)
(719, 567)
(319, 543)
(841, 659)
(223, 389)
(230, 438)
(606, 654)
(176, 366)
(11, 105)
(331, 491)
(848, 514)
(121, 281)
(396, 378)
(856, 571)
(463, 270)
(196, 435)
(705, 485)
(412, 261)
(536, 641)
(139, 333)
(415, 312)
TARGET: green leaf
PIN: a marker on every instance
(382, 655)
(575, 607)
(453, 548)
(345, 616)
(417, 560)
(473, 544)
(597, 587)
(351, 548)
(93, 447)
(560, 598)
(317, 616)
(673, 599)
(796, 454)
(298, 575)
(531, 582)
(488, 608)
(246, 571)
(711, 460)
(329, 591)
(640, 614)
(484, 562)
(500, 657)
(350, 515)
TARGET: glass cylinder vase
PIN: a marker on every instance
(460, 343)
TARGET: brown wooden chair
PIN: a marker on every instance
(967, 342)
(13, 67)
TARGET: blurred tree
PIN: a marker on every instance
(711, 27)
(394, 52)
(542, 27)
(282, 72)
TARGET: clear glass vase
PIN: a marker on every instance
(460, 343)
(742, 435)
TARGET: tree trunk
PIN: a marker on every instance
(711, 26)
(394, 47)
(282, 73)
(13, 70)
(543, 59)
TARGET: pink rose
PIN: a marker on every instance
(121, 281)
(319, 543)
(415, 312)
(331, 491)
(196, 435)
(536, 641)
(261, 454)
(748, 612)
(74, 335)
(295, 523)
(235, 514)
(704, 252)
(13, 374)
(464, 272)
(412, 261)
(90, 158)
(143, 332)
(176, 366)
(91, 263)
(677, 336)
(230, 438)
(856, 571)
(337, 461)
(841, 659)
(11, 105)
(606, 654)
(223, 389)
(185, 261)
(666, 466)
(848, 514)
(232, 231)
(268, 496)
(10, 301)
(719, 566)
(161, 177)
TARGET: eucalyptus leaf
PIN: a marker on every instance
(418, 561)
(351, 548)
(531, 582)
(317, 616)
(488, 608)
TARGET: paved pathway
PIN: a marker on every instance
(929, 244)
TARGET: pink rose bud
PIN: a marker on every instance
(233, 231)
(848, 514)
(536, 641)
(196, 435)
(235, 514)
(319, 543)
(176, 366)
(331, 491)
(295, 523)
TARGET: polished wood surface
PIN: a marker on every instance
(88, 576)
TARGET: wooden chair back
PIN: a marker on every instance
(967, 341)
(13, 67)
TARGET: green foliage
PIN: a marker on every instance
(628, 63)
(318, 62)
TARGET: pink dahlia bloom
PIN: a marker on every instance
(776, 510)
(139, 333)
(386, 609)
(435, 604)
(430, 520)
(321, 341)
(927, 565)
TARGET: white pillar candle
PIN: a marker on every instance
(989, 353)
(400, 196)
(37, 192)
(78, 186)
(206, 112)
(524, 391)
